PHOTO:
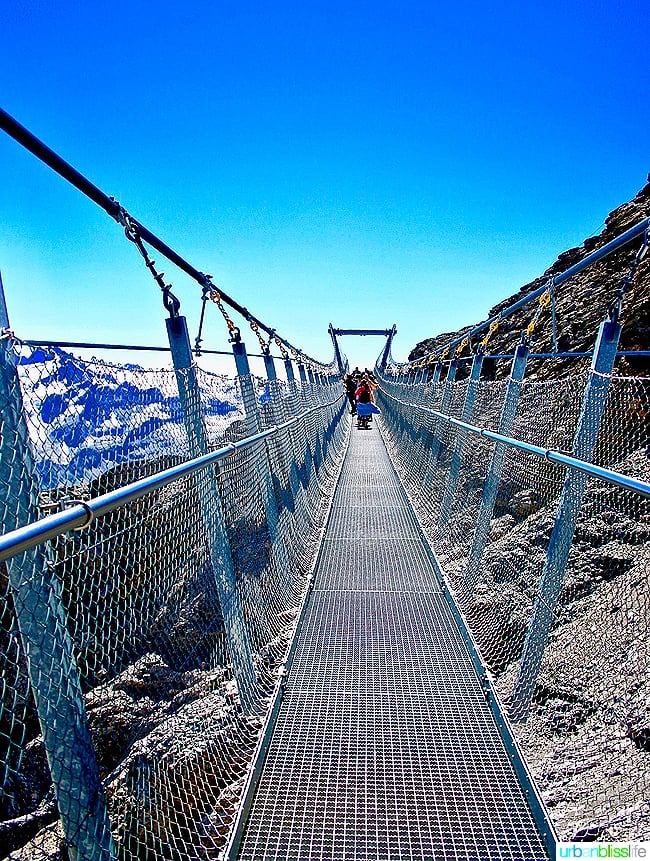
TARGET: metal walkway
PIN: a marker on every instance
(384, 745)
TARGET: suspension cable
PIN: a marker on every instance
(28, 140)
(170, 301)
(614, 307)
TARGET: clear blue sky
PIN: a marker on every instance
(361, 163)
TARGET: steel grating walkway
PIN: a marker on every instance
(384, 745)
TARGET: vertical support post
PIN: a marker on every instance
(278, 547)
(459, 443)
(213, 517)
(269, 367)
(337, 352)
(246, 386)
(293, 389)
(386, 353)
(428, 422)
(47, 645)
(291, 377)
(491, 486)
(288, 367)
(303, 384)
(575, 484)
(444, 406)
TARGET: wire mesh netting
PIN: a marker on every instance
(586, 736)
(129, 633)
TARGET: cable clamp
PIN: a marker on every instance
(89, 512)
(120, 215)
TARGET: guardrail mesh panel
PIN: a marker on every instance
(586, 737)
(139, 591)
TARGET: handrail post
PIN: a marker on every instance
(279, 550)
(246, 387)
(491, 485)
(304, 395)
(213, 517)
(575, 484)
(444, 404)
(428, 423)
(46, 643)
(459, 443)
(294, 480)
(254, 425)
(293, 386)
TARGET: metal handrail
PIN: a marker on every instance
(80, 514)
(85, 345)
(111, 206)
(613, 245)
(581, 354)
(553, 455)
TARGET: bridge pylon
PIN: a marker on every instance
(389, 334)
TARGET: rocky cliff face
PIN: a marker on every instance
(587, 738)
(580, 304)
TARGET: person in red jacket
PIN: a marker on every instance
(365, 405)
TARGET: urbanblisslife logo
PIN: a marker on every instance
(633, 849)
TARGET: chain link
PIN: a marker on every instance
(494, 326)
(214, 296)
(282, 348)
(264, 346)
(170, 301)
(543, 303)
(462, 345)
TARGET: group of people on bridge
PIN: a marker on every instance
(359, 388)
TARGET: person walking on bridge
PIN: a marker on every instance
(365, 405)
(350, 389)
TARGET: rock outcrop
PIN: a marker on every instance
(587, 738)
(580, 303)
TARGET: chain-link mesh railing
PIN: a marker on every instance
(144, 691)
(586, 736)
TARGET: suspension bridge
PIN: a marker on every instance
(235, 626)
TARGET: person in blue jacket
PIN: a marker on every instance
(365, 405)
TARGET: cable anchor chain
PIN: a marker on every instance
(199, 336)
(171, 302)
(493, 328)
(616, 303)
(210, 292)
(283, 350)
(264, 346)
(466, 342)
(546, 298)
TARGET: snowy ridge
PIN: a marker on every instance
(86, 416)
